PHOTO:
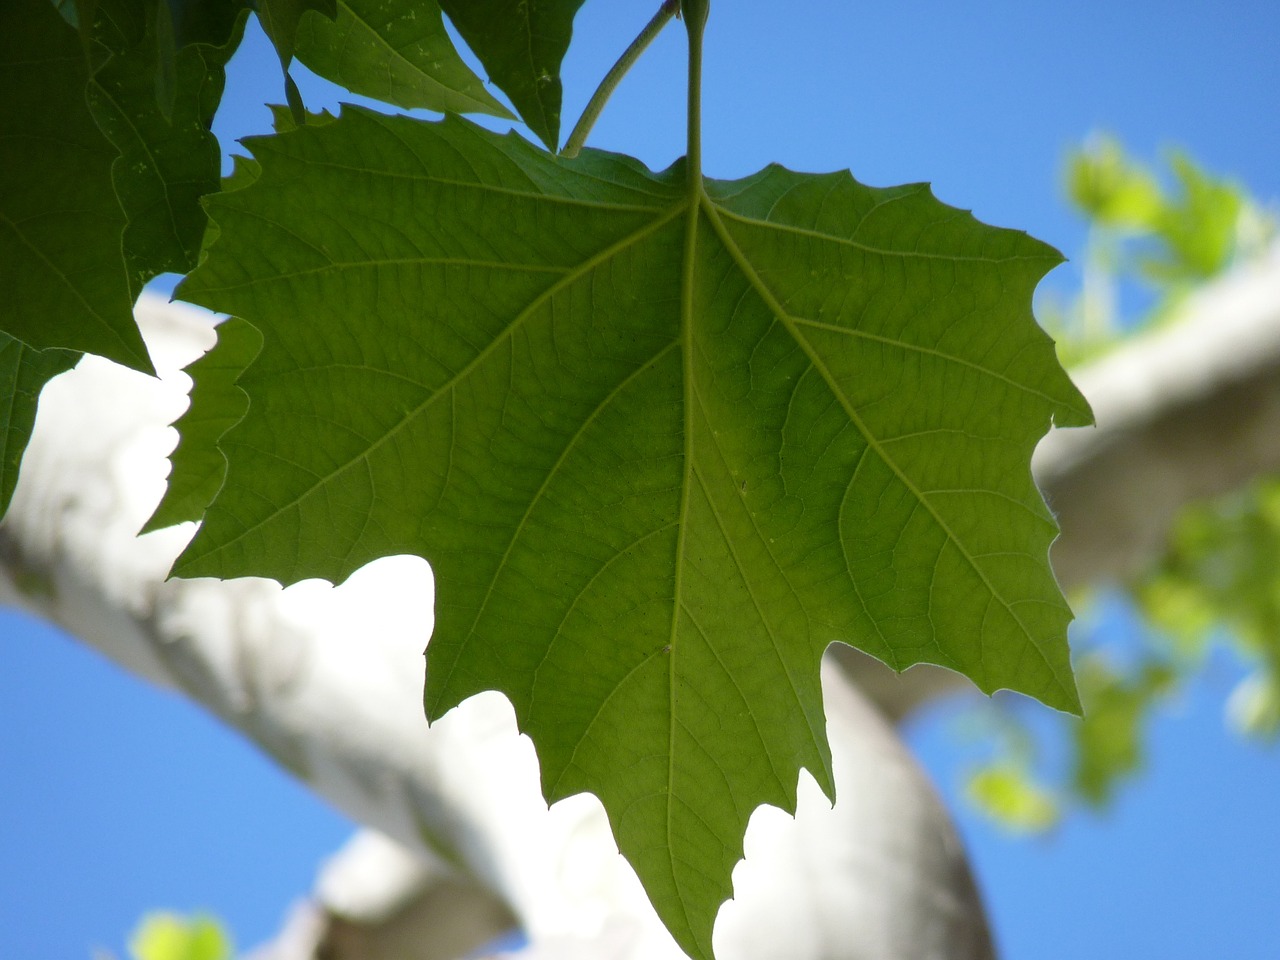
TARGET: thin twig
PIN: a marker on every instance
(611, 79)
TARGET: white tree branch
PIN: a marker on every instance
(1188, 411)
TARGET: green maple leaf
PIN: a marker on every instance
(280, 20)
(217, 405)
(169, 157)
(209, 22)
(394, 51)
(662, 440)
(521, 44)
(61, 271)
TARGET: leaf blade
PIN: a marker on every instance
(60, 223)
(398, 53)
(281, 20)
(217, 404)
(23, 374)
(659, 443)
(521, 44)
(168, 157)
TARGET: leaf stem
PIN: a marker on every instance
(695, 20)
(595, 105)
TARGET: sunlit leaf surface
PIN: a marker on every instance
(662, 440)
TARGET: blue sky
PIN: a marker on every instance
(117, 799)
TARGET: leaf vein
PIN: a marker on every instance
(767, 295)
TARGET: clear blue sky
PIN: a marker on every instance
(116, 799)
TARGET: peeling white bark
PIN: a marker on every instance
(328, 680)
(1188, 411)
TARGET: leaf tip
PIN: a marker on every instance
(1067, 699)
(135, 354)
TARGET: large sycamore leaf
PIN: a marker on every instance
(397, 51)
(61, 273)
(169, 157)
(662, 440)
(521, 44)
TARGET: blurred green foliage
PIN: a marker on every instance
(1108, 739)
(1006, 790)
(1112, 189)
(1218, 580)
(1162, 236)
(1192, 231)
(168, 936)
